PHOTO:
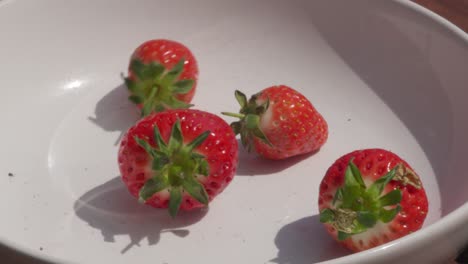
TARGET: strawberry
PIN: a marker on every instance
(279, 122)
(162, 74)
(178, 159)
(370, 197)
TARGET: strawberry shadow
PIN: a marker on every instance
(114, 112)
(112, 210)
(305, 241)
(251, 164)
(9, 255)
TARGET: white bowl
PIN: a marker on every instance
(385, 74)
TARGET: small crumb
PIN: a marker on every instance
(11, 174)
(41, 248)
(349, 119)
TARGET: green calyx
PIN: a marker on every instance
(155, 88)
(249, 124)
(358, 207)
(175, 168)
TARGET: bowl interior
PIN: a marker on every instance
(381, 74)
(416, 67)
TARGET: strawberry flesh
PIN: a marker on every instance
(374, 165)
(162, 75)
(279, 122)
(178, 159)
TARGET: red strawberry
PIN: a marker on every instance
(179, 158)
(370, 197)
(162, 75)
(279, 122)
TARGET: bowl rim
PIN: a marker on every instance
(451, 221)
(457, 31)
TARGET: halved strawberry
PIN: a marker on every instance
(162, 75)
(370, 197)
(279, 122)
(178, 159)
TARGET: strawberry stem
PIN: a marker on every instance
(155, 88)
(357, 207)
(241, 98)
(250, 115)
(233, 114)
(152, 186)
(176, 166)
(175, 201)
(407, 177)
